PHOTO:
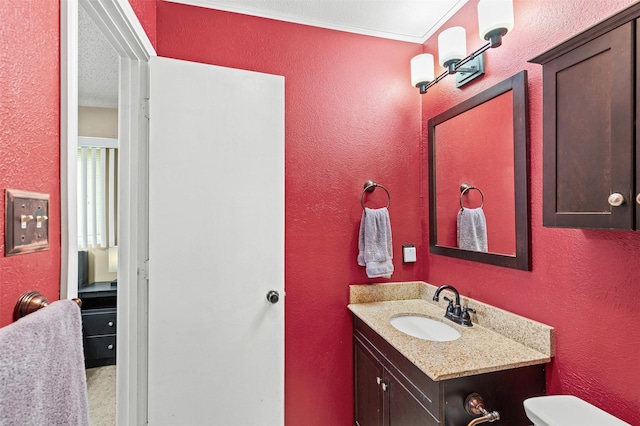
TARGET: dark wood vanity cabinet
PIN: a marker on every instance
(590, 155)
(391, 391)
(383, 396)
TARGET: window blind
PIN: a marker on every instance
(97, 213)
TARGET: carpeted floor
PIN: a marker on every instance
(101, 386)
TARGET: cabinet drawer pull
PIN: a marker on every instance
(110, 346)
(110, 323)
(616, 199)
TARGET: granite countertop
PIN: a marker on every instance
(498, 340)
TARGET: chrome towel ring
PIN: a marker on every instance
(464, 188)
(369, 186)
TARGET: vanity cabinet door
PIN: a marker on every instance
(403, 408)
(382, 399)
(369, 376)
(588, 140)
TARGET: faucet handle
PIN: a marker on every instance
(466, 310)
(450, 305)
(466, 318)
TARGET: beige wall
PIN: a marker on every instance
(98, 122)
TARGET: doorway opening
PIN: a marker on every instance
(97, 214)
(119, 26)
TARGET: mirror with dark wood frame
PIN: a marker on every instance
(482, 143)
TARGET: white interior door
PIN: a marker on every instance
(216, 245)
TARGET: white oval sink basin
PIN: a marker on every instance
(425, 328)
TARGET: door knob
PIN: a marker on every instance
(273, 296)
(616, 199)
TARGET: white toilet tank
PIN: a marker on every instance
(567, 410)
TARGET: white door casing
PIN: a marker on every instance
(216, 245)
(119, 24)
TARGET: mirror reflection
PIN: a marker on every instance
(478, 177)
(481, 156)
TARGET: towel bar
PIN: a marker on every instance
(464, 188)
(31, 301)
(369, 186)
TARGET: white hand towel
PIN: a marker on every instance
(472, 230)
(374, 244)
(42, 376)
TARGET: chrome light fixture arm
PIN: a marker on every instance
(456, 67)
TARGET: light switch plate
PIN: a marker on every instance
(26, 224)
(409, 254)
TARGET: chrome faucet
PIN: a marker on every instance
(456, 313)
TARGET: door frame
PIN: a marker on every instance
(119, 24)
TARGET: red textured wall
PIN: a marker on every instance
(351, 115)
(30, 138)
(146, 12)
(585, 283)
(477, 149)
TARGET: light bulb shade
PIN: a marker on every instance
(113, 259)
(452, 46)
(422, 69)
(495, 19)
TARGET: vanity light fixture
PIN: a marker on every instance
(495, 19)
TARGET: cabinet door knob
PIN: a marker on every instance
(110, 346)
(616, 199)
(638, 198)
(110, 323)
(384, 387)
(378, 380)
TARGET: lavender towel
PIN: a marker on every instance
(374, 243)
(472, 230)
(42, 376)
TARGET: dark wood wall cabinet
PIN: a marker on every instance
(591, 95)
(391, 391)
(99, 323)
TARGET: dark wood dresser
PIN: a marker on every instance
(99, 323)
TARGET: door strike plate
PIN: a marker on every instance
(26, 226)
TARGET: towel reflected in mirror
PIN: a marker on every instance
(472, 230)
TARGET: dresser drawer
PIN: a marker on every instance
(99, 322)
(100, 347)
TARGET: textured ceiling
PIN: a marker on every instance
(97, 66)
(406, 20)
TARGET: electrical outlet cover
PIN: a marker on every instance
(409, 253)
(26, 223)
